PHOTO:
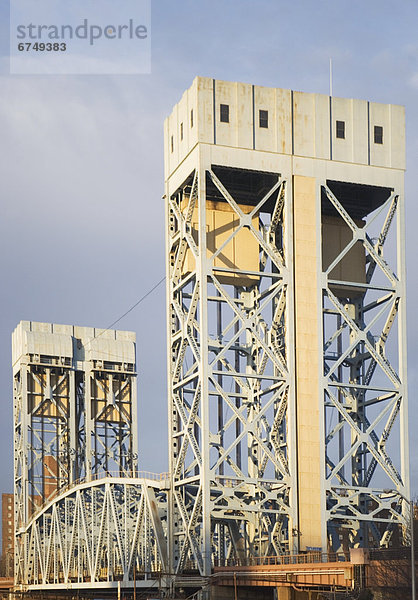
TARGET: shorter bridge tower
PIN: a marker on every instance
(75, 414)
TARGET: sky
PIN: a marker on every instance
(81, 169)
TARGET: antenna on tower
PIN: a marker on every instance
(330, 76)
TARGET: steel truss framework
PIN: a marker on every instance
(365, 403)
(111, 444)
(71, 423)
(229, 384)
(97, 534)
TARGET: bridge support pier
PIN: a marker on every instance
(288, 593)
(220, 592)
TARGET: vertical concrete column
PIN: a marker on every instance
(308, 359)
(284, 593)
(202, 279)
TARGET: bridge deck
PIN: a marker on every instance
(322, 575)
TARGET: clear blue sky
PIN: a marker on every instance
(81, 169)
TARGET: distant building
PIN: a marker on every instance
(50, 474)
(7, 527)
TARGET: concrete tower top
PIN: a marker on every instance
(70, 344)
(279, 121)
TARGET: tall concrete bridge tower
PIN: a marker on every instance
(286, 323)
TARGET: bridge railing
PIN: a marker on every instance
(118, 474)
(285, 559)
(158, 477)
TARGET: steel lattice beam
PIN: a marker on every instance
(367, 485)
(229, 382)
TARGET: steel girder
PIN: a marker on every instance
(97, 533)
(230, 425)
(365, 393)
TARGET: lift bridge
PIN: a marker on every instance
(286, 359)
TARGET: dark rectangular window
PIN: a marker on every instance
(378, 134)
(181, 131)
(264, 118)
(340, 129)
(191, 118)
(224, 113)
(172, 144)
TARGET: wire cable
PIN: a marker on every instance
(131, 308)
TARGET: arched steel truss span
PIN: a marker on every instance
(103, 533)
